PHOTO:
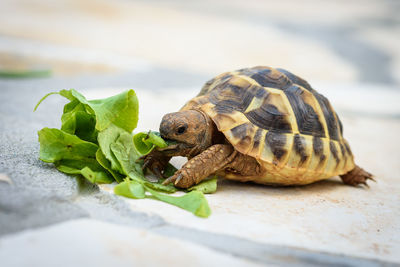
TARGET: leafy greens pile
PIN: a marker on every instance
(96, 141)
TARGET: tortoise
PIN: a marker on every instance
(258, 124)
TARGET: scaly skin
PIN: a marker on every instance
(201, 166)
(156, 163)
(356, 177)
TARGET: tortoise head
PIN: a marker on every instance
(190, 130)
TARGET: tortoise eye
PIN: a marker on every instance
(181, 130)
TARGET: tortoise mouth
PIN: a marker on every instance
(169, 148)
(170, 142)
(174, 148)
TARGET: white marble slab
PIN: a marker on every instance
(326, 216)
(88, 242)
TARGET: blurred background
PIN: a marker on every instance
(339, 46)
(336, 41)
(349, 50)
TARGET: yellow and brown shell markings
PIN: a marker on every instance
(280, 120)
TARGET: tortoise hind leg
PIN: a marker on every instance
(357, 176)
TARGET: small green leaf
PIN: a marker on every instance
(72, 94)
(131, 189)
(74, 166)
(101, 159)
(194, 202)
(43, 98)
(156, 139)
(106, 138)
(121, 110)
(81, 124)
(100, 177)
(156, 186)
(126, 154)
(145, 142)
(160, 187)
(56, 145)
(78, 118)
(206, 187)
(71, 155)
(95, 177)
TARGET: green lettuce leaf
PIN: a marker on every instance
(95, 141)
(156, 186)
(56, 145)
(131, 189)
(101, 159)
(206, 187)
(121, 110)
(106, 138)
(126, 154)
(72, 155)
(79, 121)
(95, 177)
(146, 142)
(194, 202)
(78, 117)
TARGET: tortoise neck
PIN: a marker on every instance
(207, 139)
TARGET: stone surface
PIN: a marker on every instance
(325, 216)
(104, 244)
(166, 50)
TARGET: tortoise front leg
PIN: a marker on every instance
(156, 162)
(201, 166)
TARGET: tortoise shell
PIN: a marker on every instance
(280, 120)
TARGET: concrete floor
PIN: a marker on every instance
(165, 51)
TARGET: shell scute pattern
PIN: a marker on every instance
(296, 80)
(267, 77)
(329, 114)
(303, 105)
(279, 119)
(244, 134)
(271, 114)
(299, 146)
(276, 145)
(302, 154)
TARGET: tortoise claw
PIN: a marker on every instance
(178, 179)
(155, 162)
(174, 179)
(168, 181)
(145, 164)
(156, 171)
